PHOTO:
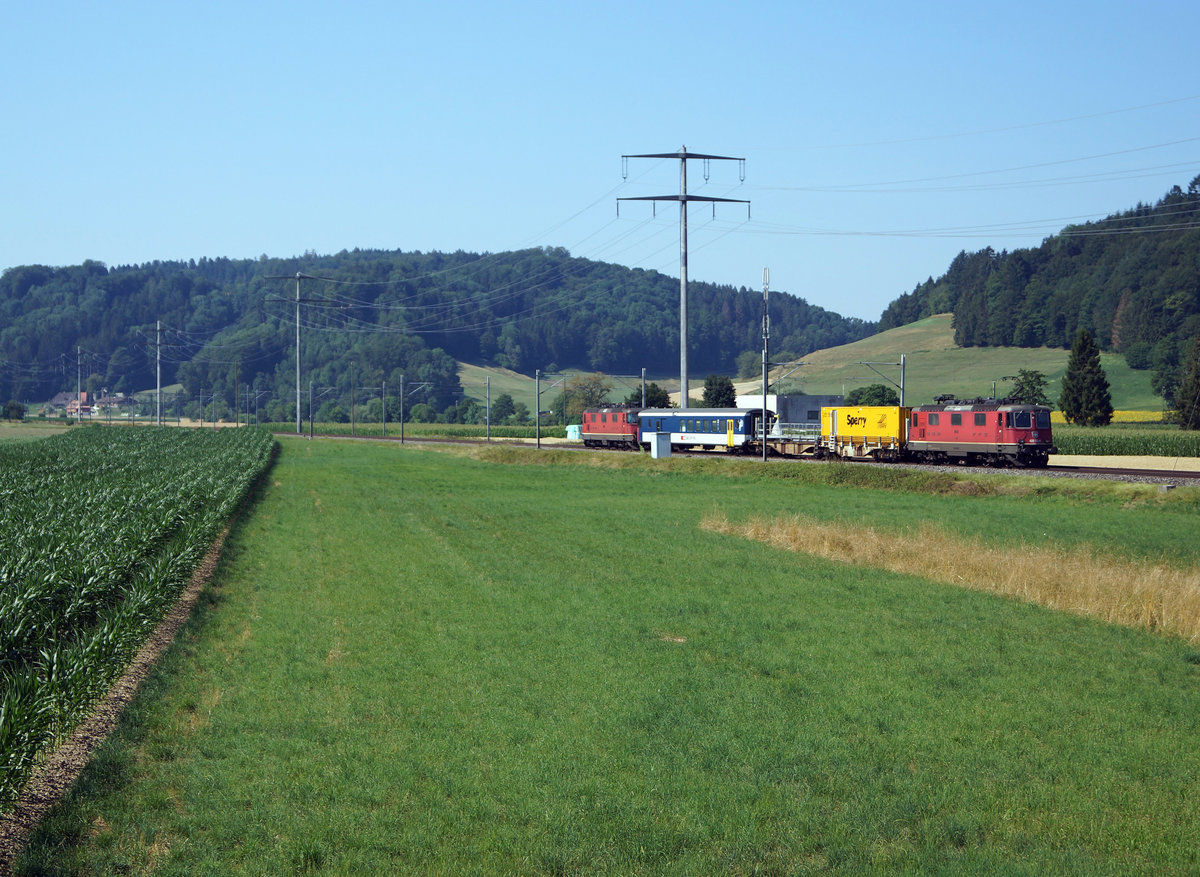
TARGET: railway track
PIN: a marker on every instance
(1123, 473)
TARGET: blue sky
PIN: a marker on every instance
(880, 138)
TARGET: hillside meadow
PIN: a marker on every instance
(499, 660)
(934, 365)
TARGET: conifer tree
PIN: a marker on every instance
(1187, 398)
(1085, 396)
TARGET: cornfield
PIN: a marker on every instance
(1127, 441)
(99, 531)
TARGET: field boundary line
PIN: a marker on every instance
(53, 778)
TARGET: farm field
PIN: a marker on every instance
(28, 430)
(99, 530)
(504, 661)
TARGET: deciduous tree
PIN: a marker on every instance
(502, 407)
(656, 397)
(1029, 388)
(719, 392)
(872, 394)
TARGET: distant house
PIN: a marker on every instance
(113, 404)
(59, 402)
(80, 405)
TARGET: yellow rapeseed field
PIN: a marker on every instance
(1119, 417)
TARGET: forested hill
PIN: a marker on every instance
(1132, 280)
(387, 312)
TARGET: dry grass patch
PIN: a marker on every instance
(1119, 591)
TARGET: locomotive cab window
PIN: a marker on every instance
(1022, 420)
(1042, 419)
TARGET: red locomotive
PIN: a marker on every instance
(613, 427)
(981, 433)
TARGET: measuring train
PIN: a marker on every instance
(980, 433)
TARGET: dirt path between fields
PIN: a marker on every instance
(52, 780)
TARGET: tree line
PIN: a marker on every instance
(373, 314)
(1132, 281)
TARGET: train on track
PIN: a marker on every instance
(978, 433)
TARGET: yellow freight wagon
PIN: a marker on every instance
(863, 432)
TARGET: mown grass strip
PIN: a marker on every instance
(377, 429)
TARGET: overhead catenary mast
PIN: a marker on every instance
(299, 276)
(683, 198)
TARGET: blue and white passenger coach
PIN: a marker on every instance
(734, 429)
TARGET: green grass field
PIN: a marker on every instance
(28, 430)
(934, 365)
(422, 662)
